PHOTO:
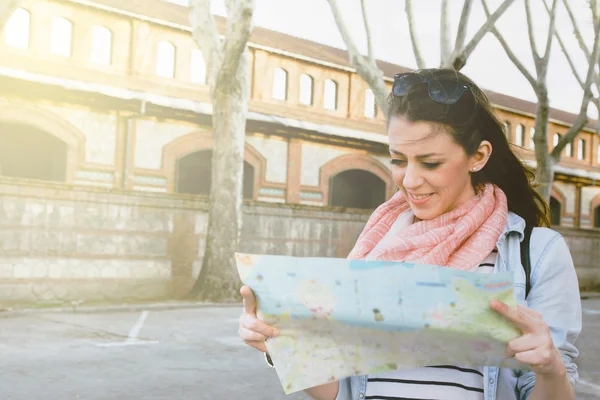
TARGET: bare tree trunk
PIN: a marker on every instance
(218, 278)
(7, 7)
(544, 160)
(229, 88)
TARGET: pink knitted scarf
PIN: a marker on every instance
(461, 238)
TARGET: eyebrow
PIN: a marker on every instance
(420, 156)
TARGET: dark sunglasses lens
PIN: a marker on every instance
(403, 82)
(446, 91)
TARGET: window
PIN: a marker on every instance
(165, 60)
(280, 81)
(61, 37)
(581, 149)
(306, 89)
(330, 95)
(17, 29)
(569, 149)
(197, 67)
(519, 137)
(507, 128)
(370, 106)
(556, 139)
(598, 155)
(101, 45)
(531, 135)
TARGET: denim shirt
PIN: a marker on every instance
(554, 294)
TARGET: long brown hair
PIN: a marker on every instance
(472, 120)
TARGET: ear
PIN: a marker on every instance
(480, 158)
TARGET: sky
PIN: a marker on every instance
(488, 65)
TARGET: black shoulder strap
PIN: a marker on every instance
(526, 259)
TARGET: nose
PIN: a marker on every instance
(412, 177)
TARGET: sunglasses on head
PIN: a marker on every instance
(445, 91)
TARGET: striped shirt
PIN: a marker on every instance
(443, 382)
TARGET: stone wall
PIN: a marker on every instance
(68, 243)
(61, 243)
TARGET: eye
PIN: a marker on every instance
(431, 165)
(400, 163)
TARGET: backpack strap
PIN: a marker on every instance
(526, 259)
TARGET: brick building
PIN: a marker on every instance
(112, 94)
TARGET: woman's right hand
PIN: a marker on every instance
(253, 331)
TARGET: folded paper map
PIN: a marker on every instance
(339, 317)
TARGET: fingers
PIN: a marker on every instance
(253, 324)
(517, 315)
(249, 300)
(523, 343)
(251, 336)
(257, 345)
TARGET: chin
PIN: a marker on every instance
(425, 215)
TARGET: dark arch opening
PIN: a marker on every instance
(30, 153)
(356, 188)
(555, 211)
(194, 175)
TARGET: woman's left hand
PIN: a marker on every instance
(535, 346)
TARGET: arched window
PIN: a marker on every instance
(520, 135)
(194, 175)
(197, 67)
(556, 138)
(165, 59)
(306, 89)
(581, 149)
(555, 211)
(27, 152)
(507, 128)
(370, 106)
(280, 84)
(356, 188)
(330, 95)
(569, 149)
(101, 45)
(17, 29)
(61, 37)
(531, 135)
(597, 217)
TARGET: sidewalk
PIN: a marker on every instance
(107, 308)
(156, 306)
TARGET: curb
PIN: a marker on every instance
(114, 309)
(590, 295)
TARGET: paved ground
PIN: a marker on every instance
(178, 354)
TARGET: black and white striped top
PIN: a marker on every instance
(443, 382)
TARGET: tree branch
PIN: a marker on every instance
(353, 53)
(444, 32)
(576, 29)
(582, 119)
(551, 29)
(7, 8)
(413, 34)
(531, 33)
(463, 54)
(508, 50)
(564, 48)
(370, 54)
(239, 28)
(206, 35)
(462, 25)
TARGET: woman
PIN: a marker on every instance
(464, 201)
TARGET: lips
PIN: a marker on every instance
(419, 198)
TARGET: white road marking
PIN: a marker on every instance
(589, 311)
(132, 338)
(590, 387)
